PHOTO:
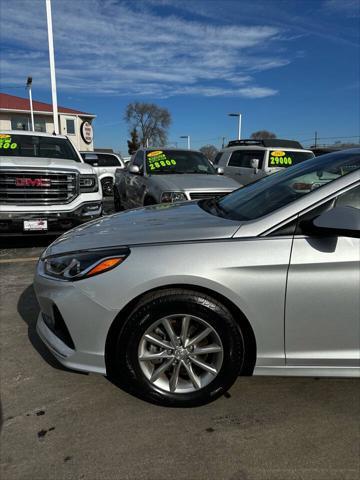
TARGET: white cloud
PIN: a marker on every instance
(107, 47)
(347, 7)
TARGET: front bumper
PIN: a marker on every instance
(11, 223)
(73, 325)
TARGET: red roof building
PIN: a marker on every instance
(15, 115)
(13, 103)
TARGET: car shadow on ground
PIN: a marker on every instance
(24, 241)
(28, 309)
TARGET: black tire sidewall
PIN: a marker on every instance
(197, 305)
(104, 184)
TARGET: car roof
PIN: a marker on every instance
(151, 149)
(33, 134)
(259, 147)
(266, 142)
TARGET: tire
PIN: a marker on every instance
(175, 386)
(107, 187)
(117, 202)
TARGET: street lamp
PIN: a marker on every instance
(188, 140)
(52, 66)
(28, 86)
(237, 115)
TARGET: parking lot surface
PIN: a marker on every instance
(59, 424)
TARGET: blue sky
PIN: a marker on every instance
(289, 66)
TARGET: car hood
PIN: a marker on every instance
(154, 224)
(44, 163)
(194, 182)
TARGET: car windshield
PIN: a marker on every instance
(36, 146)
(160, 162)
(276, 191)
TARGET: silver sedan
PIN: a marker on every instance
(176, 301)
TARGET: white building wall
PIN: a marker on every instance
(76, 139)
(5, 121)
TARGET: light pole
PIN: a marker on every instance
(28, 86)
(239, 128)
(188, 140)
(52, 66)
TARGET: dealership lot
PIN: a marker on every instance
(65, 425)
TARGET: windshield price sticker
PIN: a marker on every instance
(155, 153)
(158, 159)
(5, 142)
(279, 158)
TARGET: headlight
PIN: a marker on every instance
(88, 183)
(79, 265)
(169, 197)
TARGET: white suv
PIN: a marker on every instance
(45, 186)
(248, 160)
(105, 164)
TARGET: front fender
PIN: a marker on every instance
(102, 176)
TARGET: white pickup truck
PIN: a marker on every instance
(45, 186)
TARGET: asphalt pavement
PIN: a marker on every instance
(59, 424)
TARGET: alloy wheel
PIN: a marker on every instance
(180, 353)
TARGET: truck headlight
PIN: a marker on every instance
(88, 183)
(170, 197)
(80, 265)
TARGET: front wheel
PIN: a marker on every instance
(107, 187)
(180, 348)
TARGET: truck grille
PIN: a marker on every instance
(200, 195)
(37, 187)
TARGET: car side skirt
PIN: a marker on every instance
(308, 371)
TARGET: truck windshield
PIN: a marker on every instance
(36, 146)
(276, 191)
(177, 161)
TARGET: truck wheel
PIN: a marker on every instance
(107, 187)
(179, 348)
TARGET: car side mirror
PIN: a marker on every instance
(254, 163)
(339, 221)
(220, 171)
(134, 169)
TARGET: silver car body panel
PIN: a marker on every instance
(183, 245)
(156, 224)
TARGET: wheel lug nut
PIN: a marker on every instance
(169, 352)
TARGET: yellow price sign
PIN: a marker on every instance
(155, 153)
(278, 153)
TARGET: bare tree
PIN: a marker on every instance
(150, 121)
(209, 151)
(262, 134)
